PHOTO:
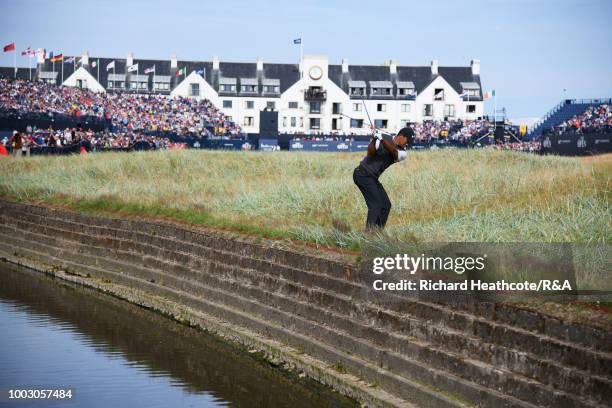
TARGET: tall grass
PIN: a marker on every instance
(449, 195)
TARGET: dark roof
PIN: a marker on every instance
(22, 73)
(420, 76)
(287, 74)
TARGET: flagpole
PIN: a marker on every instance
(30, 64)
(15, 60)
(98, 64)
(301, 55)
(62, 70)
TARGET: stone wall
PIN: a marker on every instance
(307, 311)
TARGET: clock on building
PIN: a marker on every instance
(315, 72)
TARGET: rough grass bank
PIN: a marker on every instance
(450, 195)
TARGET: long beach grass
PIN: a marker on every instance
(449, 195)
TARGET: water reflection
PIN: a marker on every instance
(114, 354)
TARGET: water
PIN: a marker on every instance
(114, 354)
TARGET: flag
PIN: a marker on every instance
(132, 68)
(69, 60)
(9, 47)
(94, 64)
(111, 65)
(57, 58)
(41, 51)
(3, 151)
(297, 41)
(28, 51)
(200, 72)
(489, 94)
(463, 94)
(150, 70)
(182, 71)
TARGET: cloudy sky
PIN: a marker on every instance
(530, 50)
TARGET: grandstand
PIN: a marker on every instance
(562, 112)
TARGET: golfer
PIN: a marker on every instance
(383, 151)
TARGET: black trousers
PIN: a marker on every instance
(375, 196)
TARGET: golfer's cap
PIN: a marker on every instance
(15, 132)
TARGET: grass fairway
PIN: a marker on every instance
(450, 195)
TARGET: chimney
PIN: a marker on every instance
(129, 60)
(434, 67)
(475, 63)
(85, 58)
(345, 66)
(173, 62)
(40, 57)
(259, 64)
(215, 63)
(392, 67)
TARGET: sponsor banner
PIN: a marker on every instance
(268, 145)
(577, 144)
(320, 145)
(359, 146)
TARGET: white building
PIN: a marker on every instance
(311, 97)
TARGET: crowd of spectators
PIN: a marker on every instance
(530, 146)
(125, 112)
(596, 119)
(72, 139)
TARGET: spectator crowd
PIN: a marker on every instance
(596, 119)
(124, 112)
(72, 139)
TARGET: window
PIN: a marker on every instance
(271, 89)
(357, 91)
(473, 93)
(337, 108)
(315, 107)
(249, 121)
(315, 123)
(270, 105)
(284, 121)
(194, 90)
(357, 107)
(293, 121)
(356, 123)
(161, 86)
(449, 111)
(381, 91)
(110, 85)
(335, 124)
(133, 85)
(439, 94)
(249, 104)
(227, 88)
(470, 108)
(428, 110)
(143, 85)
(380, 123)
(381, 107)
(406, 91)
(248, 88)
(81, 83)
(227, 104)
(293, 105)
(405, 107)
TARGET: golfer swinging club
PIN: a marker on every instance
(383, 151)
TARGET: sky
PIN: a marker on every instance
(534, 53)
